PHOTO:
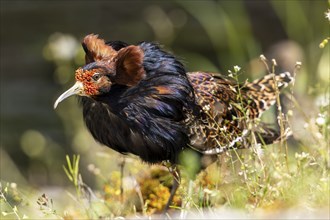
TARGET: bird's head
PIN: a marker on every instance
(92, 80)
(96, 78)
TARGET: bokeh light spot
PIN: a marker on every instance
(32, 143)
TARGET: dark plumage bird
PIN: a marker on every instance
(139, 99)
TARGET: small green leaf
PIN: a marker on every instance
(76, 165)
(67, 173)
(69, 163)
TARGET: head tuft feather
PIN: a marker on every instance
(96, 49)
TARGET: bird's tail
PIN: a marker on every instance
(263, 94)
(263, 91)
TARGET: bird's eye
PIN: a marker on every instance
(96, 76)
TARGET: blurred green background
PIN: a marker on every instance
(40, 49)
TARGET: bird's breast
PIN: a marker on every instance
(116, 132)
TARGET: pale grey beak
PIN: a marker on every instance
(76, 89)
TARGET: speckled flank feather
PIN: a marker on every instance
(228, 107)
(262, 91)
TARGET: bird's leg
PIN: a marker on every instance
(174, 170)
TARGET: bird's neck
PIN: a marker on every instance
(110, 100)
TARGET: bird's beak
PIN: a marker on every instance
(76, 89)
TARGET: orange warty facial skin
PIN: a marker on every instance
(85, 77)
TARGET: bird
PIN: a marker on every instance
(139, 99)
